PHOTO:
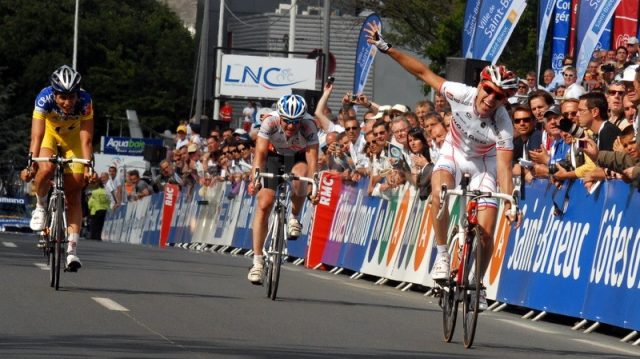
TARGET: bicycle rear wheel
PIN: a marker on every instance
(471, 287)
(277, 255)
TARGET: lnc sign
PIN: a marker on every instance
(265, 77)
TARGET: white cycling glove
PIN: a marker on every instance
(381, 44)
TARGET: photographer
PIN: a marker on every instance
(576, 164)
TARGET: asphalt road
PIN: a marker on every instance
(141, 302)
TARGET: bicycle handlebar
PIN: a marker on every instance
(287, 177)
(61, 160)
(475, 194)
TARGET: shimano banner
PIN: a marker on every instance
(545, 11)
(592, 21)
(365, 53)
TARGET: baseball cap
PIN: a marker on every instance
(381, 111)
(629, 73)
(555, 109)
(192, 148)
(400, 108)
(240, 132)
(182, 128)
(632, 40)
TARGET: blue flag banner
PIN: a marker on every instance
(593, 17)
(561, 22)
(365, 54)
(497, 22)
(470, 23)
(605, 39)
(546, 10)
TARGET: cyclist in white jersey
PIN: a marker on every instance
(289, 138)
(479, 143)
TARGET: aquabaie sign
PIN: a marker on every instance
(127, 146)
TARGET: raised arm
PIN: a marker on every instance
(325, 122)
(410, 63)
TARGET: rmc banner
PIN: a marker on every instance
(582, 261)
(265, 77)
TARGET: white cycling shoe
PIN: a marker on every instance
(73, 263)
(37, 219)
(295, 228)
(482, 306)
(442, 267)
(256, 274)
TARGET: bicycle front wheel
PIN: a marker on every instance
(471, 287)
(58, 235)
(448, 300)
(277, 256)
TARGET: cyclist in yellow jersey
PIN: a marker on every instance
(63, 116)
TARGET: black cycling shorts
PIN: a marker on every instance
(280, 164)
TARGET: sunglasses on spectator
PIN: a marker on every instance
(381, 133)
(490, 90)
(616, 92)
(569, 75)
(522, 119)
(351, 128)
(291, 121)
(570, 114)
(629, 108)
(240, 149)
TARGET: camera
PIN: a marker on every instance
(331, 79)
(608, 68)
(354, 97)
(562, 163)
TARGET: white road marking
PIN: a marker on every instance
(110, 304)
(9, 244)
(41, 266)
(519, 323)
(606, 346)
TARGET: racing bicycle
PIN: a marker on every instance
(55, 232)
(274, 246)
(465, 283)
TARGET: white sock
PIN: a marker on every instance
(41, 201)
(73, 243)
(441, 248)
(258, 259)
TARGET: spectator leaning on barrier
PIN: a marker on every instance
(140, 188)
(544, 159)
(592, 114)
(614, 162)
(575, 165)
(167, 175)
(113, 186)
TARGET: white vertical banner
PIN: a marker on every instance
(502, 31)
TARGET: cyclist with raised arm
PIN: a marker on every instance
(62, 117)
(480, 143)
(287, 137)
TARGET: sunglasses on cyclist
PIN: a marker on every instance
(291, 121)
(490, 90)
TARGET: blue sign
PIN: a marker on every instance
(128, 146)
(365, 54)
(560, 34)
(470, 23)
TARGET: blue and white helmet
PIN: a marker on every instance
(292, 106)
(65, 80)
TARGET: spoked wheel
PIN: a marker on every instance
(268, 261)
(277, 256)
(58, 238)
(471, 288)
(449, 306)
(49, 247)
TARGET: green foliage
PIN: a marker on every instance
(434, 28)
(131, 54)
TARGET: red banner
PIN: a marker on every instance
(168, 206)
(625, 22)
(329, 192)
(571, 50)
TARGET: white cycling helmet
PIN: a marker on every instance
(65, 80)
(292, 106)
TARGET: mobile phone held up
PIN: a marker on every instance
(582, 143)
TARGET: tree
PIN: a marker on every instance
(131, 54)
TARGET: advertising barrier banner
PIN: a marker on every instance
(127, 146)
(168, 206)
(329, 192)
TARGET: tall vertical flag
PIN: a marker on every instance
(471, 16)
(498, 19)
(592, 20)
(605, 39)
(573, 49)
(625, 23)
(365, 53)
(559, 44)
(546, 10)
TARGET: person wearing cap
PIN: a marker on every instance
(398, 109)
(542, 157)
(593, 115)
(631, 79)
(181, 137)
(479, 142)
(633, 48)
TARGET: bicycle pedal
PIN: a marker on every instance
(72, 267)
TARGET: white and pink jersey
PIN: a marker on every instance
(271, 130)
(471, 134)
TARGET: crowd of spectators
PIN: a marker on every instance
(564, 129)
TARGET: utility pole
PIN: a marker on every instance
(202, 62)
(75, 36)
(326, 24)
(216, 102)
(293, 12)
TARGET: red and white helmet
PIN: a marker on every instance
(501, 77)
